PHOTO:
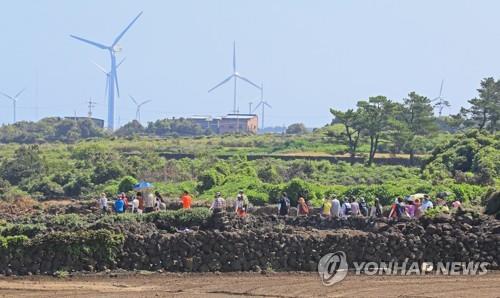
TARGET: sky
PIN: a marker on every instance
(310, 55)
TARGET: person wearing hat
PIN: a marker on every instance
(219, 204)
(241, 204)
(283, 204)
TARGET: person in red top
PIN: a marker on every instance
(186, 200)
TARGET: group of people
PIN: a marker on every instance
(240, 205)
(139, 203)
(331, 208)
(337, 208)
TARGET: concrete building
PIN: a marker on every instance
(239, 123)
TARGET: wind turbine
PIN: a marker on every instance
(235, 76)
(14, 101)
(113, 76)
(108, 74)
(139, 105)
(441, 103)
(262, 103)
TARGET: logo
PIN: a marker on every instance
(332, 268)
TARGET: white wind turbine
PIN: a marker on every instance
(138, 105)
(108, 74)
(14, 102)
(441, 103)
(113, 76)
(262, 103)
(235, 76)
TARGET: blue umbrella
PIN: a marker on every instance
(142, 185)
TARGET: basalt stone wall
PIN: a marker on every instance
(226, 243)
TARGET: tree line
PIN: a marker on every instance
(405, 123)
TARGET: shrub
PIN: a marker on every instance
(127, 184)
(181, 217)
(69, 221)
(29, 230)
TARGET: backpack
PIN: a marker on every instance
(348, 210)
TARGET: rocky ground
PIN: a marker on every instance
(249, 285)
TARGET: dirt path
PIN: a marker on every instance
(249, 285)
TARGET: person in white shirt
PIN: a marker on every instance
(335, 211)
(103, 203)
(149, 203)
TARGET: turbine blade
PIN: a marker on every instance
(144, 102)
(106, 88)
(19, 93)
(133, 99)
(117, 39)
(234, 56)
(100, 67)
(257, 106)
(115, 74)
(248, 81)
(96, 44)
(120, 63)
(441, 89)
(268, 105)
(6, 95)
(221, 83)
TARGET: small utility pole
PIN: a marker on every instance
(91, 105)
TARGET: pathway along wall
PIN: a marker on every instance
(230, 244)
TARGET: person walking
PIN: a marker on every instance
(376, 209)
(241, 204)
(119, 205)
(346, 208)
(283, 205)
(335, 208)
(186, 200)
(363, 207)
(354, 207)
(149, 203)
(219, 204)
(103, 203)
(302, 208)
(326, 208)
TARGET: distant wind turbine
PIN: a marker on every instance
(262, 103)
(138, 105)
(14, 102)
(108, 74)
(441, 103)
(113, 76)
(235, 75)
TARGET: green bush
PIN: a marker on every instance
(70, 221)
(29, 230)
(181, 217)
(127, 184)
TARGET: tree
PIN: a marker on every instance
(26, 164)
(416, 118)
(351, 120)
(132, 128)
(485, 109)
(296, 129)
(375, 115)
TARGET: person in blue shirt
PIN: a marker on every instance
(119, 205)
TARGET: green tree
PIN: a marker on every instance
(376, 115)
(26, 164)
(416, 118)
(133, 128)
(485, 109)
(353, 125)
(296, 129)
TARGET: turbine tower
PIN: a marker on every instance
(441, 103)
(139, 105)
(14, 102)
(108, 74)
(262, 103)
(112, 79)
(235, 76)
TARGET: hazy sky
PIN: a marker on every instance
(311, 55)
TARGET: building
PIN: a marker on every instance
(239, 123)
(97, 122)
(232, 123)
